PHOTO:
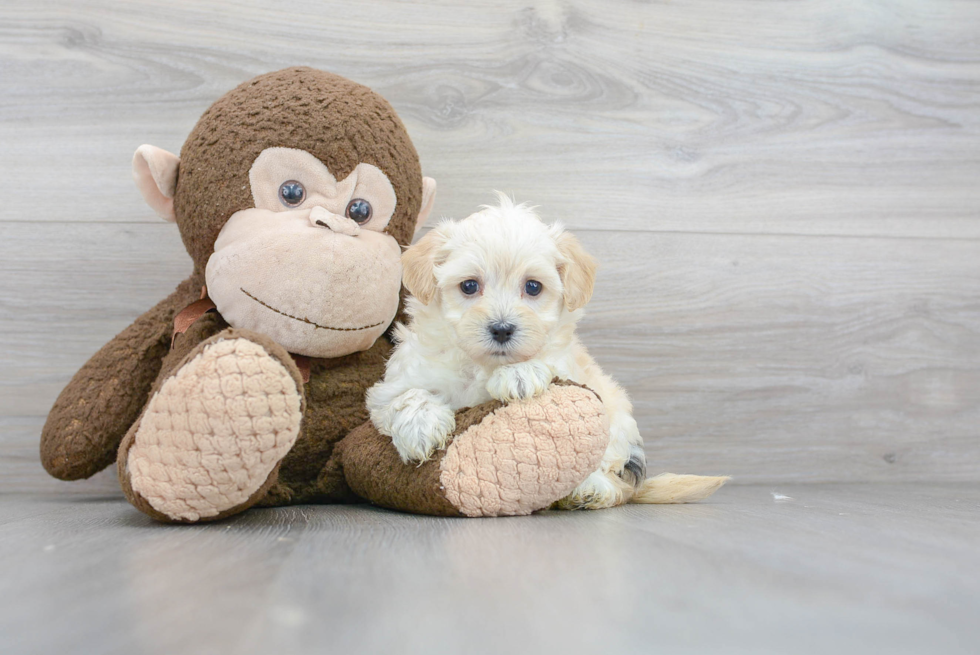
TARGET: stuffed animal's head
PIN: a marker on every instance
(294, 194)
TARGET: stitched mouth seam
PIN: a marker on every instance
(306, 320)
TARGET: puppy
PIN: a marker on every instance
(495, 300)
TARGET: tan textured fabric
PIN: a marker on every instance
(278, 165)
(374, 471)
(504, 460)
(215, 431)
(93, 413)
(341, 123)
(525, 455)
(315, 291)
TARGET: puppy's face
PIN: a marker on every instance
(502, 279)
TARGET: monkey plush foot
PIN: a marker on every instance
(503, 460)
(212, 436)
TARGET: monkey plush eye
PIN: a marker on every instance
(292, 193)
(469, 287)
(359, 210)
(533, 287)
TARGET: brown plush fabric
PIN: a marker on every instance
(342, 123)
(374, 471)
(525, 454)
(570, 383)
(93, 412)
(339, 121)
(204, 327)
(470, 416)
(144, 506)
(335, 406)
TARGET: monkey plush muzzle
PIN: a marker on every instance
(289, 275)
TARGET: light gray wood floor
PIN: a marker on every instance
(872, 568)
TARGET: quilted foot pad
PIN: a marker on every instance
(525, 455)
(215, 431)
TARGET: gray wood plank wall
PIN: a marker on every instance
(784, 196)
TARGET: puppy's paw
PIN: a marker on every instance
(420, 425)
(519, 381)
(598, 491)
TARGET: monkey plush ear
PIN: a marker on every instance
(577, 272)
(428, 199)
(155, 172)
(419, 264)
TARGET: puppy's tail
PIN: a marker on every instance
(668, 488)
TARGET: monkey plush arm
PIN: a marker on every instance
(503, 460)
(105, 397)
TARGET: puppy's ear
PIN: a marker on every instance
(577, 271)
(419, 263)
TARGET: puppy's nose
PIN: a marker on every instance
(502, 332)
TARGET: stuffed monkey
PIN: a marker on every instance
(294, 195)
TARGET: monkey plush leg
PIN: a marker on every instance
(212, 437)
(503, 460)
(92, 413)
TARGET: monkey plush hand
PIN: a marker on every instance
(294, 196)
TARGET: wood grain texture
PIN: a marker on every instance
(847, 569)
(707, 116)
(783, 196)
(759, 357)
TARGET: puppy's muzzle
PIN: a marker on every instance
(502, 332)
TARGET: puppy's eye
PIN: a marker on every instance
(469, 287)
(292, 193)
(359, 210)
(533, 287)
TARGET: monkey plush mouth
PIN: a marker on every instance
(306, 320)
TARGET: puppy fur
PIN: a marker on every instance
(503, 341)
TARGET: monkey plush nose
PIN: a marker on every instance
(502, 332)
(321, 217)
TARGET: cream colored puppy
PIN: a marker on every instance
(496, 297)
